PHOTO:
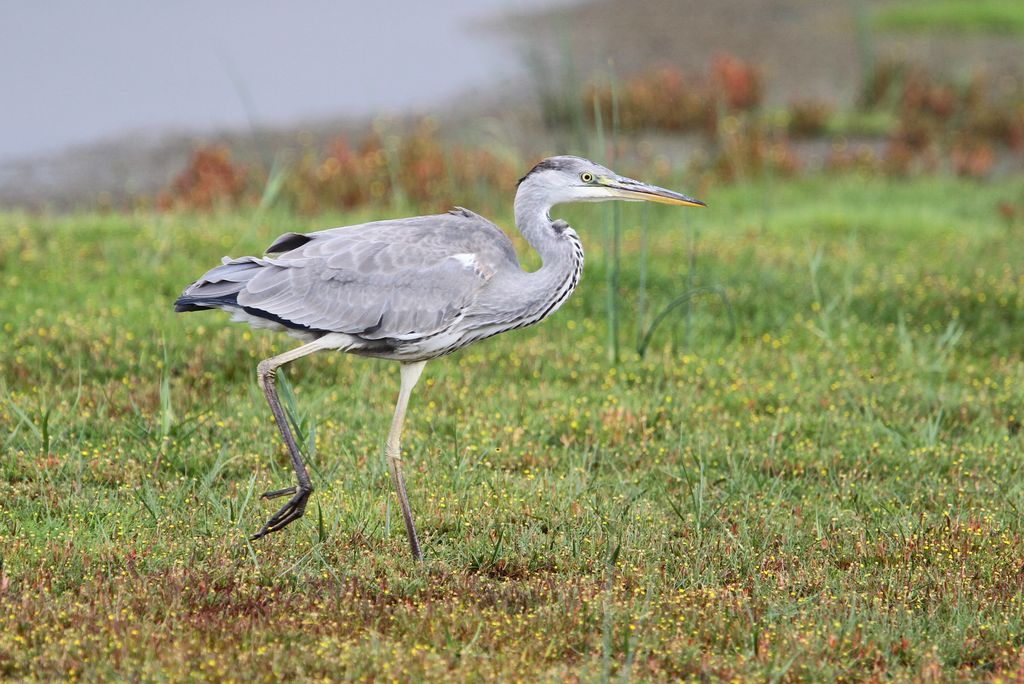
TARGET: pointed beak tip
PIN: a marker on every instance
(663, 196)
(681, 200)
(629, 189)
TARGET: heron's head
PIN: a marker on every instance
(574, 179)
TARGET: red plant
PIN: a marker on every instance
(418, 167)
(739, 82)
(921, 95)
(210, 179)
(663, 98)
(972, 158)
(1008, 211)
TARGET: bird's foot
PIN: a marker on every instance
(289, 513)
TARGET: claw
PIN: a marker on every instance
(289, 513)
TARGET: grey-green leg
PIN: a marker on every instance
(266, 373)
(410, 374)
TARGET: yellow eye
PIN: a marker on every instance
(587, 177)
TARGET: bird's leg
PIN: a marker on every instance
(266, 373)
(410, 376)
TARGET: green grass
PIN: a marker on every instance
(832, 493)
(952, 16)
(878, 123)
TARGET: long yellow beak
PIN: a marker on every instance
(637, 191)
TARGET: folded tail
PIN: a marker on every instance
(219, 287)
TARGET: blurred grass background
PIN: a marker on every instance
(955, 16)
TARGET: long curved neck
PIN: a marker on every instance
(533, 219)
(561, 253)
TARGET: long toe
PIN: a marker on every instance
(274, 493)
(289, 513)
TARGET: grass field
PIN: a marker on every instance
(952, 16)
(829, 489)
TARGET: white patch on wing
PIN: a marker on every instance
(473, 263)
(467, 260)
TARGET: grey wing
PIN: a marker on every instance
(394, 279)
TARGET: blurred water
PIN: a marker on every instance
(72, 71)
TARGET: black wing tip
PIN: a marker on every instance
(288, 242)
(186, 303)
(291, 325)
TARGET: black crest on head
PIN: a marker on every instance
(550, 164)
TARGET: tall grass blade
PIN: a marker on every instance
(612, 246)
(274, 185)
(686, 298)
(23, 417)
(641, 301)
(166, 407)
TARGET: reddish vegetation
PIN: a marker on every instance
(419, 168)
(942, 125)
(210, 179)
(738, 82)
(936, 126)
(663, 98)
(668, 99)
(972, 158)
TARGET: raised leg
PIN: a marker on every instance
(266, 373)
(410, 376)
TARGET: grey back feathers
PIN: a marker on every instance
(411, 288)
(388, 279)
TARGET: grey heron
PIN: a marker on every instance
(410, 290)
